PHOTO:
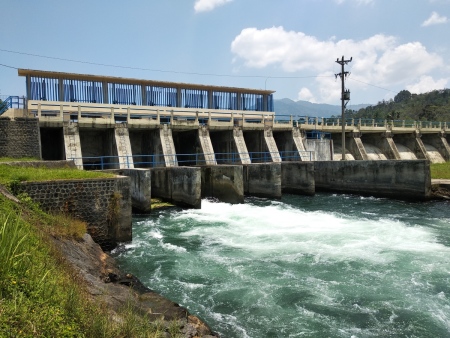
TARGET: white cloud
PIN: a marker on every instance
(427, 84)
(208, 5)
(306, 95)
(378, 60)
(434, 19)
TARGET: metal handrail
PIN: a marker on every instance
(151, 161)
(12, 102)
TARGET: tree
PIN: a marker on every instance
(402, 96)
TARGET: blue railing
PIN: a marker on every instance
(12, 102)
(152, 161)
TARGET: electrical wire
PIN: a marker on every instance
(178, 72)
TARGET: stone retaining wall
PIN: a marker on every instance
(20, 137)
(104, 204)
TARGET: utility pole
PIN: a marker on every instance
(345, 97)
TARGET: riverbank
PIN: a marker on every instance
(56, 281)
(110, 286)
(440, 189)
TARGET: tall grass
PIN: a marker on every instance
(41, 295)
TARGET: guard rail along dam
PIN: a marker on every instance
(223, 137)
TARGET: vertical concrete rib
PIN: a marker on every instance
(299, 145)
(123, 144)
(357, 148)
(391, 149)
(207, 148)
(241, 146)
(72, 144)
(168, 147)
(420, 149)
(445, 147)
(271, 145)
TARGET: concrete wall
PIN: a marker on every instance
(390, 178)
(322, 149)
(180, 185)
(104, 204)
(20, 137)
(140, 185)
(224, 182)
(298, 178)
(262, 179)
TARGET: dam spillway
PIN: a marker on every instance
(105, 122)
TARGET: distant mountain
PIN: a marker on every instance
(305, 108)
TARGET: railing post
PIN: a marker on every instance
(157, 116)
(79, 113)
(39, 110)
(128, 114)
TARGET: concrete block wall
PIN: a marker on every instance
(224, 182)
(140, 185)
(180, 185)
(104, 204)
(298, 178)
(409, 179)
(20, 137)
(263, 180)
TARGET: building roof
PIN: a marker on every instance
(112, 79)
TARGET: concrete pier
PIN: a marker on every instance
(224, 182)
(72, 143)
(179, 185)
(395, 179)
(140, 187)
(298, 178)
(262, 180)
(122, 140)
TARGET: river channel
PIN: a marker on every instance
(324, 266)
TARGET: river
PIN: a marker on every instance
(324, 266)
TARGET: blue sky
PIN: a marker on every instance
(289, 46)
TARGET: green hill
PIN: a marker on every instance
(431, 106)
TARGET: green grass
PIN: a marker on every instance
(10, 174)
(22, 159)
(41, 295)
(440, 170)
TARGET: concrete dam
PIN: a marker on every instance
(117, 123)
(184, 142)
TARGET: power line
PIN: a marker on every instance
(177, 72)
(156, 70)
(372, 85)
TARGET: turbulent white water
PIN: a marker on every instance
(433, 153)
(326, 266)
(405, 152)
(374, 153)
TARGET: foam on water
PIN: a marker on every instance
(434, 155)
(301, 267)
(373, 152)
(405, 152)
